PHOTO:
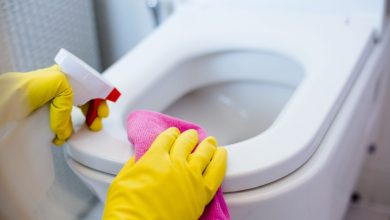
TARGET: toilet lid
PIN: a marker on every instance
(331, 56)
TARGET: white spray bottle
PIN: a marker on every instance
(87, 84)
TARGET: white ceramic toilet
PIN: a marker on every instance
(291, 90)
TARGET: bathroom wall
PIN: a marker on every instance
(121, 25)
(32, 32)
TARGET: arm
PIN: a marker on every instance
(22, 93)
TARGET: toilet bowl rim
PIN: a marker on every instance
(234, 175)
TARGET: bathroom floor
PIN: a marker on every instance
(361, 212)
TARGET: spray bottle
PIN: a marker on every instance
(87, 84)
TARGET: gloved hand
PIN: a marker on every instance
(168, 181)
(102, 112)
(22, 93)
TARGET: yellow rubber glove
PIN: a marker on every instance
(168, 181)
(102, 112)
(22, 93)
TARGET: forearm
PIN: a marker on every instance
(13, 102)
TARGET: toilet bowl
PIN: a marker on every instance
(288, 94)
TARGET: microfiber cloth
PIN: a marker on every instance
(144, 126)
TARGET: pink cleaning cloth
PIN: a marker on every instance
(144, 126)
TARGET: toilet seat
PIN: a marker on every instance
(330, 69)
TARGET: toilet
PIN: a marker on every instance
(292, 91)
